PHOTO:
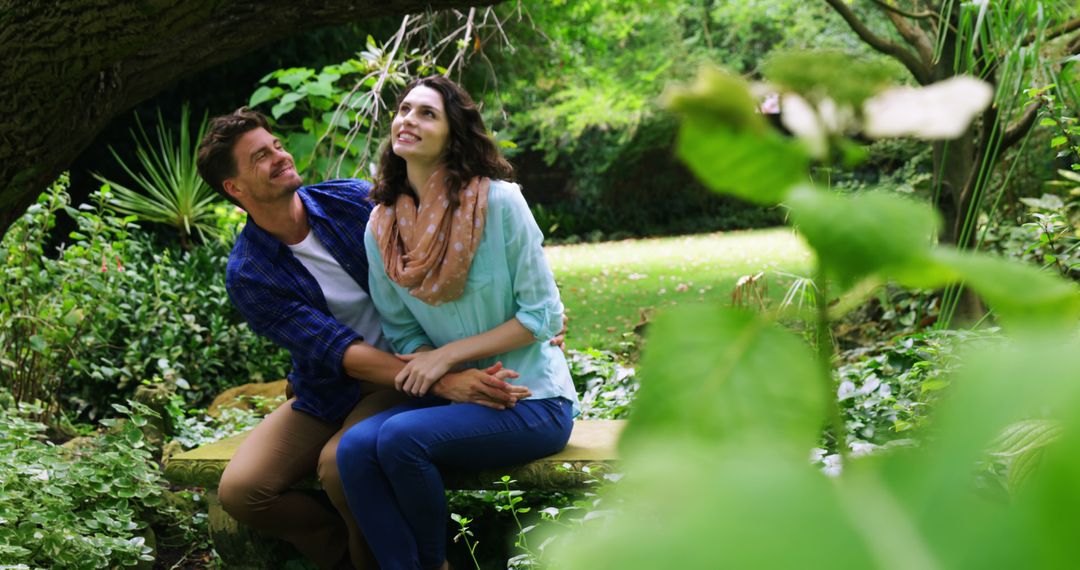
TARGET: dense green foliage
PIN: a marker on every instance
(81, 506)
(940, 456)
(114, 308)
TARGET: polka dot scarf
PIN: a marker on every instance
(429, 249)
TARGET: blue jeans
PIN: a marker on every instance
(388, 466)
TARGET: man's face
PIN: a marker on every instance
(264, 169)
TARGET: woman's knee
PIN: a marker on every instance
(355, 451)
(399, 443)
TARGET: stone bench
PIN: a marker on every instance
(592, 445)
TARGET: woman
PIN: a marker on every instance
(459, 277)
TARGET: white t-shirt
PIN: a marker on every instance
(348, 302)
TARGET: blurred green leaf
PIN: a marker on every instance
(856, 235)
(718, 98)
(827, 74)
(757, 167)
(713, 374)
(1021, 294)
(694, 506)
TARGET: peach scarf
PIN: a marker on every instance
(429, 248)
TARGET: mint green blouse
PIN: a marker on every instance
(509, 278)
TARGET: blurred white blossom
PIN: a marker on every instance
(939, 111)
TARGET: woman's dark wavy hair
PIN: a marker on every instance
(470, 152)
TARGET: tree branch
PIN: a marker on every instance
(1055, 32)
(914, 35)
(96, 59)
(1016, 131)
(913, 15)
(918, 68)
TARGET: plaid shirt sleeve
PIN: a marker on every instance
(265, 301)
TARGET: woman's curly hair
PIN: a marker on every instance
(470, 151)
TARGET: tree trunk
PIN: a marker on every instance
(70, 67)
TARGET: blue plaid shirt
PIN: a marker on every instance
(282, 301)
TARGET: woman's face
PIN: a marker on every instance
(420, 129)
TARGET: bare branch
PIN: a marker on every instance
(459, 57)
(1016, 131)
(918, 68)
(1055, 32)
(913, 15)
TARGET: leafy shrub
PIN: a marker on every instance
(79, 507)
(886, 390)
(1050, 237)
(48, 304)
(195, 428)
(113, 308)
(173, 319)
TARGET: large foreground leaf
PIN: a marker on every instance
(1021, 294)
(711, 374)
(856, 235)
(691, 506)
(727, 143)
(758, 167)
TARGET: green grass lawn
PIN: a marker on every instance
(606, 286)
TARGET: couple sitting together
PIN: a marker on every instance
(422, 320)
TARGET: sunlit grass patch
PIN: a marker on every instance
(605, 286)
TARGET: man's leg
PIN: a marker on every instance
(255, 487)
(377, 401)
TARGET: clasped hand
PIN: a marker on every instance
(422, 370)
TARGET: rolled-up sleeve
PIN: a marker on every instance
(539, 308)
(398, 323)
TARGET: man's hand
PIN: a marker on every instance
(484, 387)
(559, 340)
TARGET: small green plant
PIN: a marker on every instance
(169, 189)
(510, 500)
(463, 534)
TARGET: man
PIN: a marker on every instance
(298, 274)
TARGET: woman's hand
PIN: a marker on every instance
(487, 387)
(422, 370)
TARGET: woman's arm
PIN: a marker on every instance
(539, 311)
(423, 369)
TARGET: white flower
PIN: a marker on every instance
(939, 111)
(832, 465)
(871, 384)
(800, 118)
(846, 390)
(861, 448)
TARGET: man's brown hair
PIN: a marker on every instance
(216, 161)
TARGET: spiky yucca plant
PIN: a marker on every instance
(168, 189)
